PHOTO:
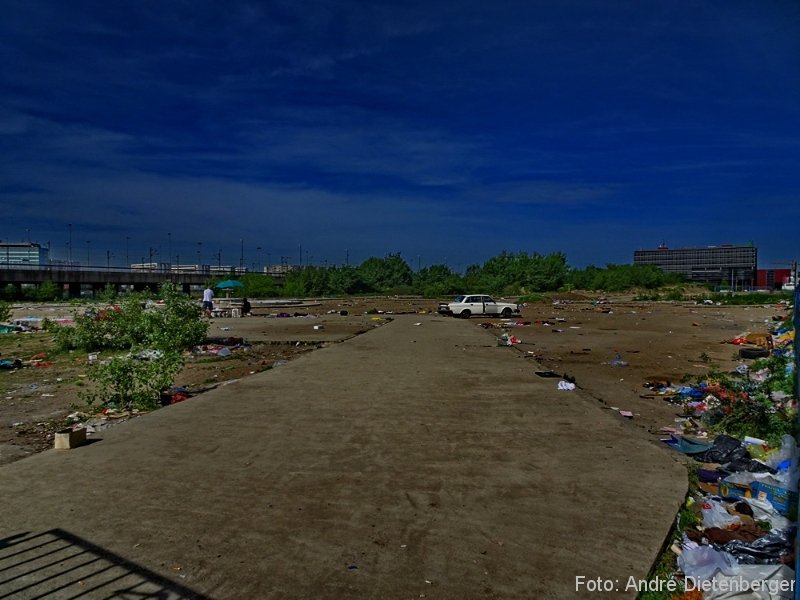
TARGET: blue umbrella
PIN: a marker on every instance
(228, 284)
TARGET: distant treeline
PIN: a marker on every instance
(505, 274)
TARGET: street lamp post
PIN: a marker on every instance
(108, 260)
(199, 254)
(169, 256)
(69, 225)
(127, 258)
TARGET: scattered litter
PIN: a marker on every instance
(566, 385)
(618, 362)
(547, 374)
(149, 355)
(508, 340)
(626, 413)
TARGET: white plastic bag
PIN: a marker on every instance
(703, 562)
(764, 511)
(715, 515)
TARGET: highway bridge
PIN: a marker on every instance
(78, 280)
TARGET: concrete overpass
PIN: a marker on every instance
(94, 278)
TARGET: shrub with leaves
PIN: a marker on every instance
(171, 325)
(743, 405)
(126, 382)
(174, 325)
(5, 311)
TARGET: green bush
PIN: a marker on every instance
(5, 311)
(48, 291)
(108, 293)
(532, 299)
(172, 325)
(674, 294)
(740, 299)
(126, 382)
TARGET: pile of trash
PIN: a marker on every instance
(755, 399)
(38, 361)
(508, 340)
(740, 520)
(221, 346)
(744, 512)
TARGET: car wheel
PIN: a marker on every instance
(465, 314)
(506, 313)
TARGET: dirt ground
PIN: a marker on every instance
(418, 460)
(577, 335)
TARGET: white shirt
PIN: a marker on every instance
(208, 294)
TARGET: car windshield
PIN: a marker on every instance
(459, 299)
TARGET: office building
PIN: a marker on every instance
(723, 266)
(23, 254)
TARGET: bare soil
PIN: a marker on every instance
(579, 336)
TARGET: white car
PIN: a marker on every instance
(480, 305)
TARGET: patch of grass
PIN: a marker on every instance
(532, 299)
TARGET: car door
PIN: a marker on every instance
(489, 305)
(474, 305)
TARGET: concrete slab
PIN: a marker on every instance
(412, 461)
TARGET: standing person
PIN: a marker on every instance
(208, 305)
(246, 308)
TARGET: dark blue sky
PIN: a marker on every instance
(446, 130)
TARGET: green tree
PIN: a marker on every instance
(48, 291)
(436, 281)
(5, 311)
(10, 292)
(308, 281)
(387, 274)
(108, 293)
(509, 273)
(257, 285)
(617, 278)
(346, 280)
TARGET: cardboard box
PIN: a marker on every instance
(783, 499)
(70, 438)
(735, 490)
